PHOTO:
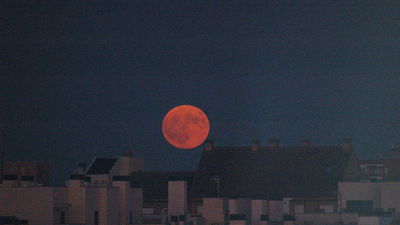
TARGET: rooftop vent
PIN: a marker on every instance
(127, 152)
(255, 145)
(346, 145)
(305, 143)
(209, 145)
(273, 143)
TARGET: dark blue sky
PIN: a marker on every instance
(78, 80)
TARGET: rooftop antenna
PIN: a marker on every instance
(216, 179)
(4, 142)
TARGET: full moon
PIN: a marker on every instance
(185, 126)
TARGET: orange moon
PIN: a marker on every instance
(185, 127)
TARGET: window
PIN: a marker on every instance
(327, 208)
(130, 217)
(363, 171)
(174, 218)
(62, 217)
(96, 217)
(359, 206)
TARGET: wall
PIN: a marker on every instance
(112, 206)
(352, 169)
(77, 199)
(29, 203)
(275, 210)
(124, 200)
(240, 206)
(100, 180)
(213, 210)
(136, 204)
(359, 191)
(93, 202)
(374, 220)
(39, 170)
(177, 198)
(258, 208)
(125, 165)
(325, 218)
(383, 194)
(390, 195)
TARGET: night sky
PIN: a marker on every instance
(80, 79)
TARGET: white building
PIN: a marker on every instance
(100, 195)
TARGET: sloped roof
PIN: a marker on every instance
(155, 183)
(101, 166)
(270, 172)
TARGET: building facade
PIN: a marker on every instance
(255, 185)
(102, 194)
(37, 172)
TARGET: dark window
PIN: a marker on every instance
(379, 210)
(130, 217)
(289, 218)
(264, 217)
(96, 217)
(174, 218)
(359, 206)
(62, 217)
(237, 217)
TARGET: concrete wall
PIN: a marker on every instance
(43, 205)
(136, 205)
(326, 218)
(275, 210)
(240, 206)
(214, 210)
(359, 191)
(112, 206)
(92, 204)
(124, 200)
(258, 208)
(35, 204)
(77, 199)
(100, 180)
(374, 220)
(383, 194)
(390, 195)
(177, 198)
(39, 170)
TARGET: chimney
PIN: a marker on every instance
(305, 143)
(273, 143)
(209, 145)
(255, 145)
(127, 152)
(346, 145)
(81, 169)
